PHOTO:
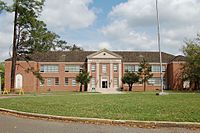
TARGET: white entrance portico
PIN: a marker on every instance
(105, 68)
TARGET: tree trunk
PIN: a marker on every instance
(144, 86)
(85, 87)
(14, 50)
(81, 87)
(130, 87)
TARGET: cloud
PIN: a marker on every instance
(103, 45)
(68, 14)
(133, 23)
(5, 35)
(126, 38)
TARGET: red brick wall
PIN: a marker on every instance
(29, 80)
(140, 87)
(174, 75)
(31, 83)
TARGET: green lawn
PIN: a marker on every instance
(131, 106)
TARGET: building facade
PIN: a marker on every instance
(106, 68)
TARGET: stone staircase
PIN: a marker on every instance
(109, 91)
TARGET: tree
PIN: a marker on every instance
(144, 72)
(130, 78)
(25, 14)
(2, 70)
(30, 34)
(191, 69)
(75, 48)
(83, 78)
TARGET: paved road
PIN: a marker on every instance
(11, 124)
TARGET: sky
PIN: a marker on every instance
(114, 24)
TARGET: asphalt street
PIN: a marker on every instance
(12, 124)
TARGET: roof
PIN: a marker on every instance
(179, 58)
(81, 56)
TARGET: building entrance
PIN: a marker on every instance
(104, 84)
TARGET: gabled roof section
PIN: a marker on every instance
(179, 58)
(104, 53)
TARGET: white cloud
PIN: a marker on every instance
(103, 45)
(124, 37)
(133, 23)
(5, 35)
(64, 14)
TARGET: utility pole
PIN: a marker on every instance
(14, 49)
(159, 47)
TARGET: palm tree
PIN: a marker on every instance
(83, 78)
(144, 72)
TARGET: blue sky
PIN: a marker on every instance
(115, 24)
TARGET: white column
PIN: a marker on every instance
(120, 74)
(111, 75)
(97, 76)
(88, 69)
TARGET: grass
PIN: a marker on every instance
(130, 106)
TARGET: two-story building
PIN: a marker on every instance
(60, 68)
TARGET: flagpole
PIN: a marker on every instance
(159, 47)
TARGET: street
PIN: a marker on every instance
(12, 124)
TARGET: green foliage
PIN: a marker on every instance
(83, 78)
(2, 71)
(32, 33)
(144, 72)
(130, 78)
(2, 6)
(75, 48)
(191, 69)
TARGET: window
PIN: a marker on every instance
(156, 68)
(136, 68)
(129, 68)
(104, 67)
(72, 68)
(66, 81)
(163, 68)
(115, 67)
(93, 68)
(49, 81)
(154, 81)
(116, 84)
(49, 68)
(57, 81)
(73, 82)
(93, 82)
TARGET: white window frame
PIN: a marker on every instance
(93, 67)
(93, 85)
(72, 68)
(116, 82)
(50, 68)
(67, 81)
(104, 68)
(49, 81)
(115, 67)
(55, 82)
(73, 82)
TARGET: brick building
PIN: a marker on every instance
(59, 69)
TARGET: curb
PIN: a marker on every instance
(132, 123)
